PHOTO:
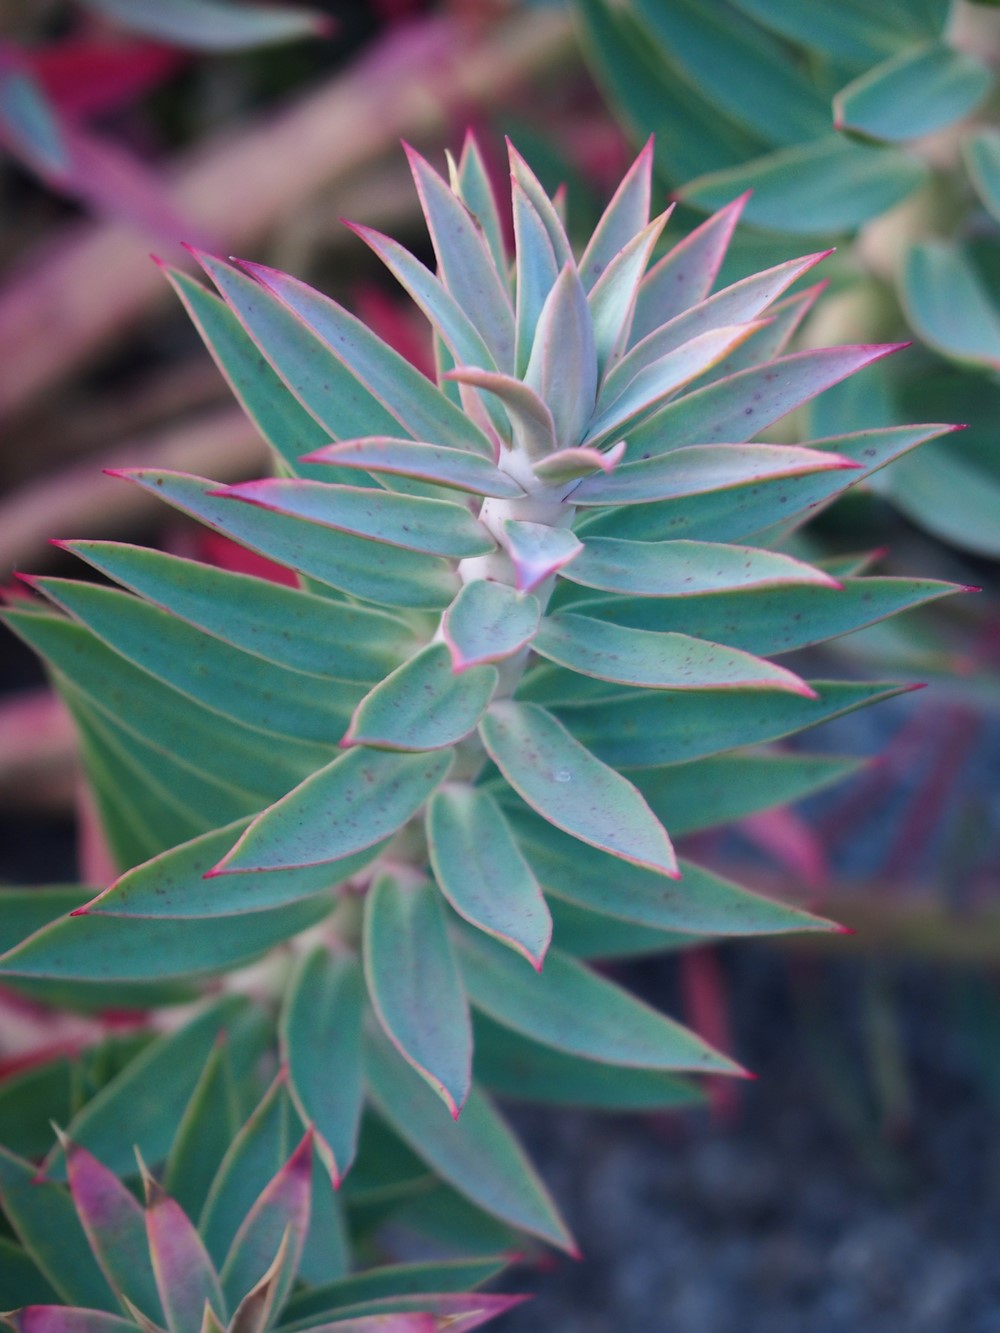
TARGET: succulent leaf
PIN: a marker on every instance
(487, 622)
(185, 1277)
(116, 1229)
(415, 986)
(322, 1013)
(480, 870)
(571, 788)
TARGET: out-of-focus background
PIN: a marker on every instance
(856, 1184)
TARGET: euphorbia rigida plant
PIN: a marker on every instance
(530, 643)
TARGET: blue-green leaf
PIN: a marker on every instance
(949, 305)
(571, 1008)
(373, 571)
(214, 25)
(624, 218)
(414, 984)
(477, 1154)
(362, 797)
(572, 789)
(455, 468)
(321, 1042)
(685, 569)
(431, 527)
(921, 90)
(423, 705)
(487, 622)
(481, 871)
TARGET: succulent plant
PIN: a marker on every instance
(528, 645)
(119, 1266)
(874, 129)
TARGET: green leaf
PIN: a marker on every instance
(828, 186)
(321, 1043)
(537, 551)
(413, 523)
(283, 422)
(29, 124)
(740, 69)
(982, 158)
(465, 262)
(647, 731)
(564, 782)
(481, 872)
(719, 413)
(657, 661)
(623, 219)
(948, 304)
(595, 935)
(701, 903)
(720, 790)
(415, 987)
(768, 621)
(659, 381)
(739, 509)
(408, 1279)
(343, 374)
(45, 1221)
(685, 275)
(514, 1067)
(211, 753)
(612, 298)
(173, 884)
(210, 1118)
(23, 911)
(487, 622)
(954, 498)
(326, 1253)
(533, 427)
(737, 304)
(684, 569)
(849, 30)
(278, 1219)
(373, 571)
(56, 1319)
(563, 363)
(477, 1154)
(703, 470)
(453, 328)
(423, 705)
(213, 25)
(522, 175)
(630, 69)
(142, 1105)
(20, 1281)
(116, 1229)
(362, 797)
(571, 1008)
(85, 950)
(455, 468)
(287, 626)
(921, 90)
(471, 182)
(251, 1161)
(535, 272)
(185, 1276)
(271, 699)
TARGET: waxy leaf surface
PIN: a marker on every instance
(481, 871)
(684, 569)
(568, 1006)
(477, 1154)
(487, 622)
(423, 705)
(362, 797)
(415, 987)
(564, 782)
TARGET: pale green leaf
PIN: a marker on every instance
(423, 705)
(415, 987)
(923, 89)
(320, 1034)
(571, 1008)
(537, 551)
(213, 25)
(487, 622)
(455, 468)
(480, 870)
(685, 569)
(624, 218)
(362, 797)
(477, 1154)
(572, 789)
(949, 305)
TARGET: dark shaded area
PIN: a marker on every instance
(856, 1190)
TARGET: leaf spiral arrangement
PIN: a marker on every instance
(528, 645)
